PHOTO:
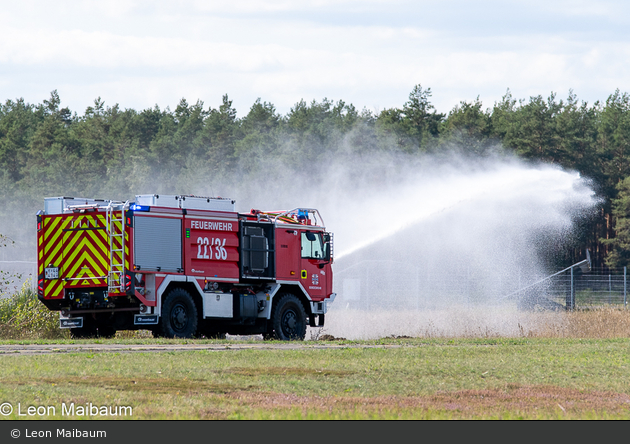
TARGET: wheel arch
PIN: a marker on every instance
(296, 291)
(191, 289)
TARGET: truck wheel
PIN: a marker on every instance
(288, 319)
(179, 315)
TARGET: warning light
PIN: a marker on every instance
(136, 207)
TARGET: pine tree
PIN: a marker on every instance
(619, 254)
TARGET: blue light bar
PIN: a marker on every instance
(302, 214)
(136, 207)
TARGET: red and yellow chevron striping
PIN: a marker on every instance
(78, 244)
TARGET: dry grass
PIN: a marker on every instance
(601, 323)
(134, 334)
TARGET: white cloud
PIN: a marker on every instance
(140, 53)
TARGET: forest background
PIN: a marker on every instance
(109, 152)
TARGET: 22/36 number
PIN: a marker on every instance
(205, 248)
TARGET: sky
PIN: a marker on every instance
(139, 54)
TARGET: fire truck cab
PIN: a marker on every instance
(183, 266)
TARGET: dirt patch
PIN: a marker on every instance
(330, 338)
(532, 402)
(149, 385)
(286, 371)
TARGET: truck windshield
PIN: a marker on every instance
(313, 246)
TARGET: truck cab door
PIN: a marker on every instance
(288, 261)
(315, 264)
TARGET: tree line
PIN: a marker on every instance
(48, 150)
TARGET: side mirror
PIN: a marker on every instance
(327, 247)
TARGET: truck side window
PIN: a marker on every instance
(312, 246)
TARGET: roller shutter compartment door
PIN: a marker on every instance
(158, 244)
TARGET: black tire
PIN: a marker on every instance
(179, 315)
(288, 319)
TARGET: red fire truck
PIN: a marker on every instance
(183, 266)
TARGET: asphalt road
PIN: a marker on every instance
(88, 347)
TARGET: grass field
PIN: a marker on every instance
(519, 378)
(527, 366)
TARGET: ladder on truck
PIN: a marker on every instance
(116, 234)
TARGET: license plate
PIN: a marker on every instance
(145, 319)
(71, 323)
(51, 273)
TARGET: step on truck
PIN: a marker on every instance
(183, 266)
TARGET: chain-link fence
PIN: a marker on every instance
(395, 285)
(593, 289)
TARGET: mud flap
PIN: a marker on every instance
(312, 320)
(145, 319)
(71, 323)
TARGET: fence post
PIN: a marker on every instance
(625, 287)
(572, 294)
(609, 289)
